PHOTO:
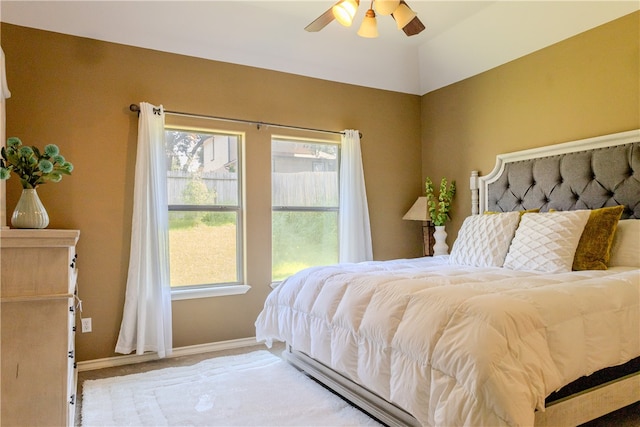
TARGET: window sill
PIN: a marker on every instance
(214, 291)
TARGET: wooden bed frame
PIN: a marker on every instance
(575, 409)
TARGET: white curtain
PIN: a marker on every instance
(146, 321)
(4, 93)
(355, 230)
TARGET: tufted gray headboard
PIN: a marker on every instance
(585, 174)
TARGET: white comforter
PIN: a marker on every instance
(458, 345)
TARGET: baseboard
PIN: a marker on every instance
(109, 362)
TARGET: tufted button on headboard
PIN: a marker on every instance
(587, 174)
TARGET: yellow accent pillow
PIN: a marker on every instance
(594, 247)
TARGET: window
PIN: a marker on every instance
(305, 204)
(204, 196)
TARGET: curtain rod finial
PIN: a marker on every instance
(134, 108)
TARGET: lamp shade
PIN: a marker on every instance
(344, 11)
(369, 26)
(403, 15)
(386, 7)
(418, 211)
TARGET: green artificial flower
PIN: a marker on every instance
(33, 168)
(26, 151)
(51, 150)
(439, 211)
(14, 142)
(45, 166)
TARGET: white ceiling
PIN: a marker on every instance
(462, 38)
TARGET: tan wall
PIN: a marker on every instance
(75, 92)
(582, 87)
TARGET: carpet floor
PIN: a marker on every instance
(625, 417)
(256, 388)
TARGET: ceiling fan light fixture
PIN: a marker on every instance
(369, 26)
(345, 11)
(403, 15)
(386, 7)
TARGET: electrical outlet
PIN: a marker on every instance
(86, 325)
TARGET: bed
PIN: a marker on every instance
(521, 324)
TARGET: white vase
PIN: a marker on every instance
(29, 212)
(440, 247)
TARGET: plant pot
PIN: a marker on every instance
(29, 212)
(440, 247)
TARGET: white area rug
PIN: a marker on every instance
(253, 389)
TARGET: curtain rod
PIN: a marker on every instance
(136, 109)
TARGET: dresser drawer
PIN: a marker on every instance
(49, 260)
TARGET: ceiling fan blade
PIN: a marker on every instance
(321, 21)
(415, 26)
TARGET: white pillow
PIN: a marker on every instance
(625, 250)
(546, 242)
(483, 240)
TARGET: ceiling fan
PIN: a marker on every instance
(344, 11)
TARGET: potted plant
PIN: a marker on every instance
(33, 168)
(439, 207)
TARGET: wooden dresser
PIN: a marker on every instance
(38, 281)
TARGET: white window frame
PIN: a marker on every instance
(218, 289)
